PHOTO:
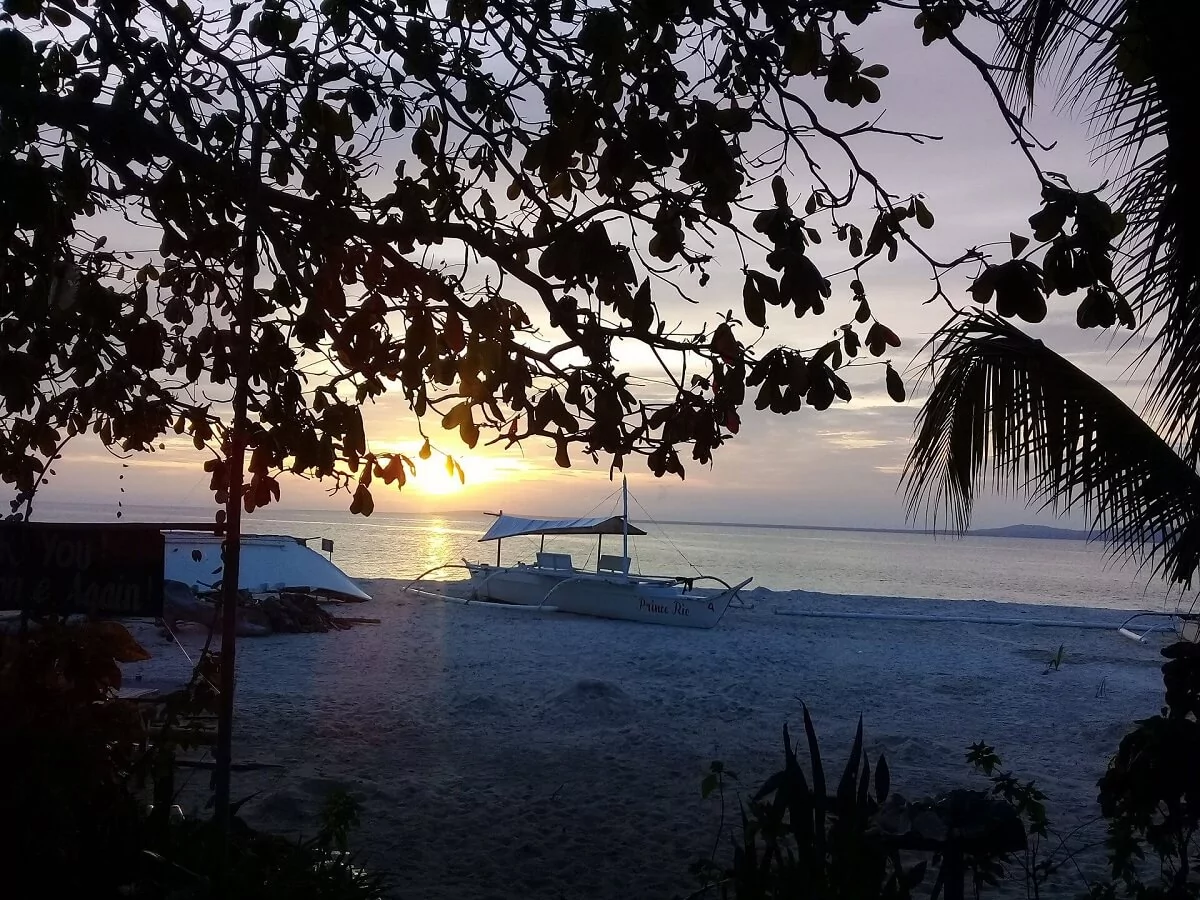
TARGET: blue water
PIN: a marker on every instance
(1055, 572)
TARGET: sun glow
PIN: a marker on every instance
(438, 480)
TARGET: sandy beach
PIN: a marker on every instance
(501, 753)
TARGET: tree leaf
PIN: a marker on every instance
(779, 190)
(895, 387)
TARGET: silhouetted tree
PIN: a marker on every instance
(480, 205)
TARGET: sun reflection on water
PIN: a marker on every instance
(433, 547)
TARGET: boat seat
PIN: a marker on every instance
(553, 560)
(612, 563)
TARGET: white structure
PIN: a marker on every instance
(269, 562)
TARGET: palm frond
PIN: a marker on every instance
(1038, 33)
(1166, 192)
(1003, 404)
(1136, 58)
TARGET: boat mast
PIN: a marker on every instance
(625, 521)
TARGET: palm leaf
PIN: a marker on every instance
(1136, 57)
(1003, 404)
(1038, 33)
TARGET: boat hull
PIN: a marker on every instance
(268, 563)
(656, 602)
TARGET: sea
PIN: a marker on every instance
(1057, 572)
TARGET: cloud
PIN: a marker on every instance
(855, 440)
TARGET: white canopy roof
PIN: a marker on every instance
(513, 526)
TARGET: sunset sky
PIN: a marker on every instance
(840, 467)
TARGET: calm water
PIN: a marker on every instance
(1061, 573)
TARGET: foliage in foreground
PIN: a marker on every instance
(77, 817)
(260, 865)
(1150, 794)
(69, 750)
(796, 840)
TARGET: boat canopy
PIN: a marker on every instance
(514, 526)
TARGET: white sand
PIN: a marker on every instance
(502, 753)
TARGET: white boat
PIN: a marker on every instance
(609, 592)
(269, 563)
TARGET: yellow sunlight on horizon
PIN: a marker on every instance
(436, 480)
(480, 470)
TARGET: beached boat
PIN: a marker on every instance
(269, 563)
(610, 592)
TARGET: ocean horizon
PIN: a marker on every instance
(141, 512)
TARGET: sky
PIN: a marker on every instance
(840, 467)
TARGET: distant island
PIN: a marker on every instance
(1042, 532)
(1037, 532)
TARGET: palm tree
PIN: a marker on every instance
(1006, 406)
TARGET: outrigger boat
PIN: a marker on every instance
(609, 592)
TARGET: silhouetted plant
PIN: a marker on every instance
(78, 760)
(797, 840)
(557, 172)
(1004, 408)
(68, 747)
(1150, 794)
(1029, 803)
(264, 866)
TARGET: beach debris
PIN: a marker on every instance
(292, 612)
(258, 615)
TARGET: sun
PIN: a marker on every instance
(481, 471)
(437, 481)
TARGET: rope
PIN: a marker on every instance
(191, 662)
(612, 496)
(175, 639)
(666, 537)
